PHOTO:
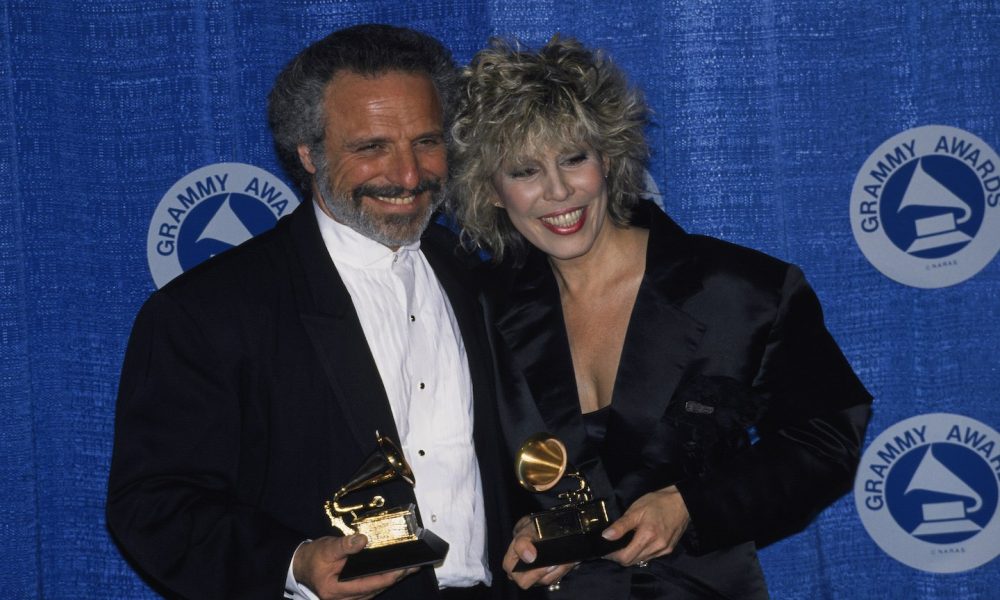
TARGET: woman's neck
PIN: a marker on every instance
(617, 254)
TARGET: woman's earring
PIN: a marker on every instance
(498, 204)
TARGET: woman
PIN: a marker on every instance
(692, 381)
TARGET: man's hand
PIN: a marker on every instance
(521, 548)
(659, 519)
(317, 565)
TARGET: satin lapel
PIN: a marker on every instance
(332, 325)
(534, 331)
(660, 343)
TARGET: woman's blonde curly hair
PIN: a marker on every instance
(514, 101)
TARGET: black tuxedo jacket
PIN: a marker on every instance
(248, 396)
(729, 386)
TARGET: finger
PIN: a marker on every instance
(626, 523)
(555, 573)
(638, 547)
(520, 549)
(524, 549)
(522, 523)
(510, 560)
(354, 543)
(369, 585)
(528, 579)
(333, 549)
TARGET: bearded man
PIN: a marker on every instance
(254, 384)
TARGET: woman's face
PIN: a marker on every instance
(557, 199)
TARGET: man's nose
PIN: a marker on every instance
(404, 170)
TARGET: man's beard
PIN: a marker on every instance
(392, 230)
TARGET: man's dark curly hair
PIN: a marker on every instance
(295, 104)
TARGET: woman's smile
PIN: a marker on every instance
(565, 222)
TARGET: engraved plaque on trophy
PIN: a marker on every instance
(395, 540)
(571, 531)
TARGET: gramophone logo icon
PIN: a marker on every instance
(928, 495)
(210, 210)
(943, 516)
(226, 226)
(925, 206)
(940, 229)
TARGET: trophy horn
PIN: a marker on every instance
(541, 462)
(385, 464)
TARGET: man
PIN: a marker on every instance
(253, 385)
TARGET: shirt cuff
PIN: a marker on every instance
(293, 589)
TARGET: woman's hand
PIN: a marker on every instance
(521, 548)
(659, 519)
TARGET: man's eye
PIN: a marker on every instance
(429, 142)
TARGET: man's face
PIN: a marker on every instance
(385, 159)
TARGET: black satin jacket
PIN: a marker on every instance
(729, 386)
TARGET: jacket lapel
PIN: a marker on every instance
(333, 327)
(660, 343)
(533, 329)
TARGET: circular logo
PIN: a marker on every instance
(924, 206)
(927, 492)
(211, 210)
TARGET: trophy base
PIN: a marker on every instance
(427, 549)
(573, 548)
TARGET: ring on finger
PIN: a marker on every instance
(554, 587)
(641, 564)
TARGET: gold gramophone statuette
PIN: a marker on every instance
(395, 539)
(571, 531)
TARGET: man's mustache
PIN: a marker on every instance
(396, 191)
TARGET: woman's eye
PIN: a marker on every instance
(575, 159)
(523, 172)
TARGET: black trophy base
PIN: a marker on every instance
(573, 548)
(427, 549)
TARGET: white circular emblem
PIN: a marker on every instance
(924, 206)
(210, 210)
(927, 492)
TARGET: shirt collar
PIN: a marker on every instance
(354, 249)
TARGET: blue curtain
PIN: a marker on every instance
(764, 113)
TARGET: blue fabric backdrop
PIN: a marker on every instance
(765, 111)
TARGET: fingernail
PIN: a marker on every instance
(528, 556)
(355, 541)
(608, 534)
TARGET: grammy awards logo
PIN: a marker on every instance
(924, 206)
(209, 211)
(927, 492)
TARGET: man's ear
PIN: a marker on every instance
(306, 159)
